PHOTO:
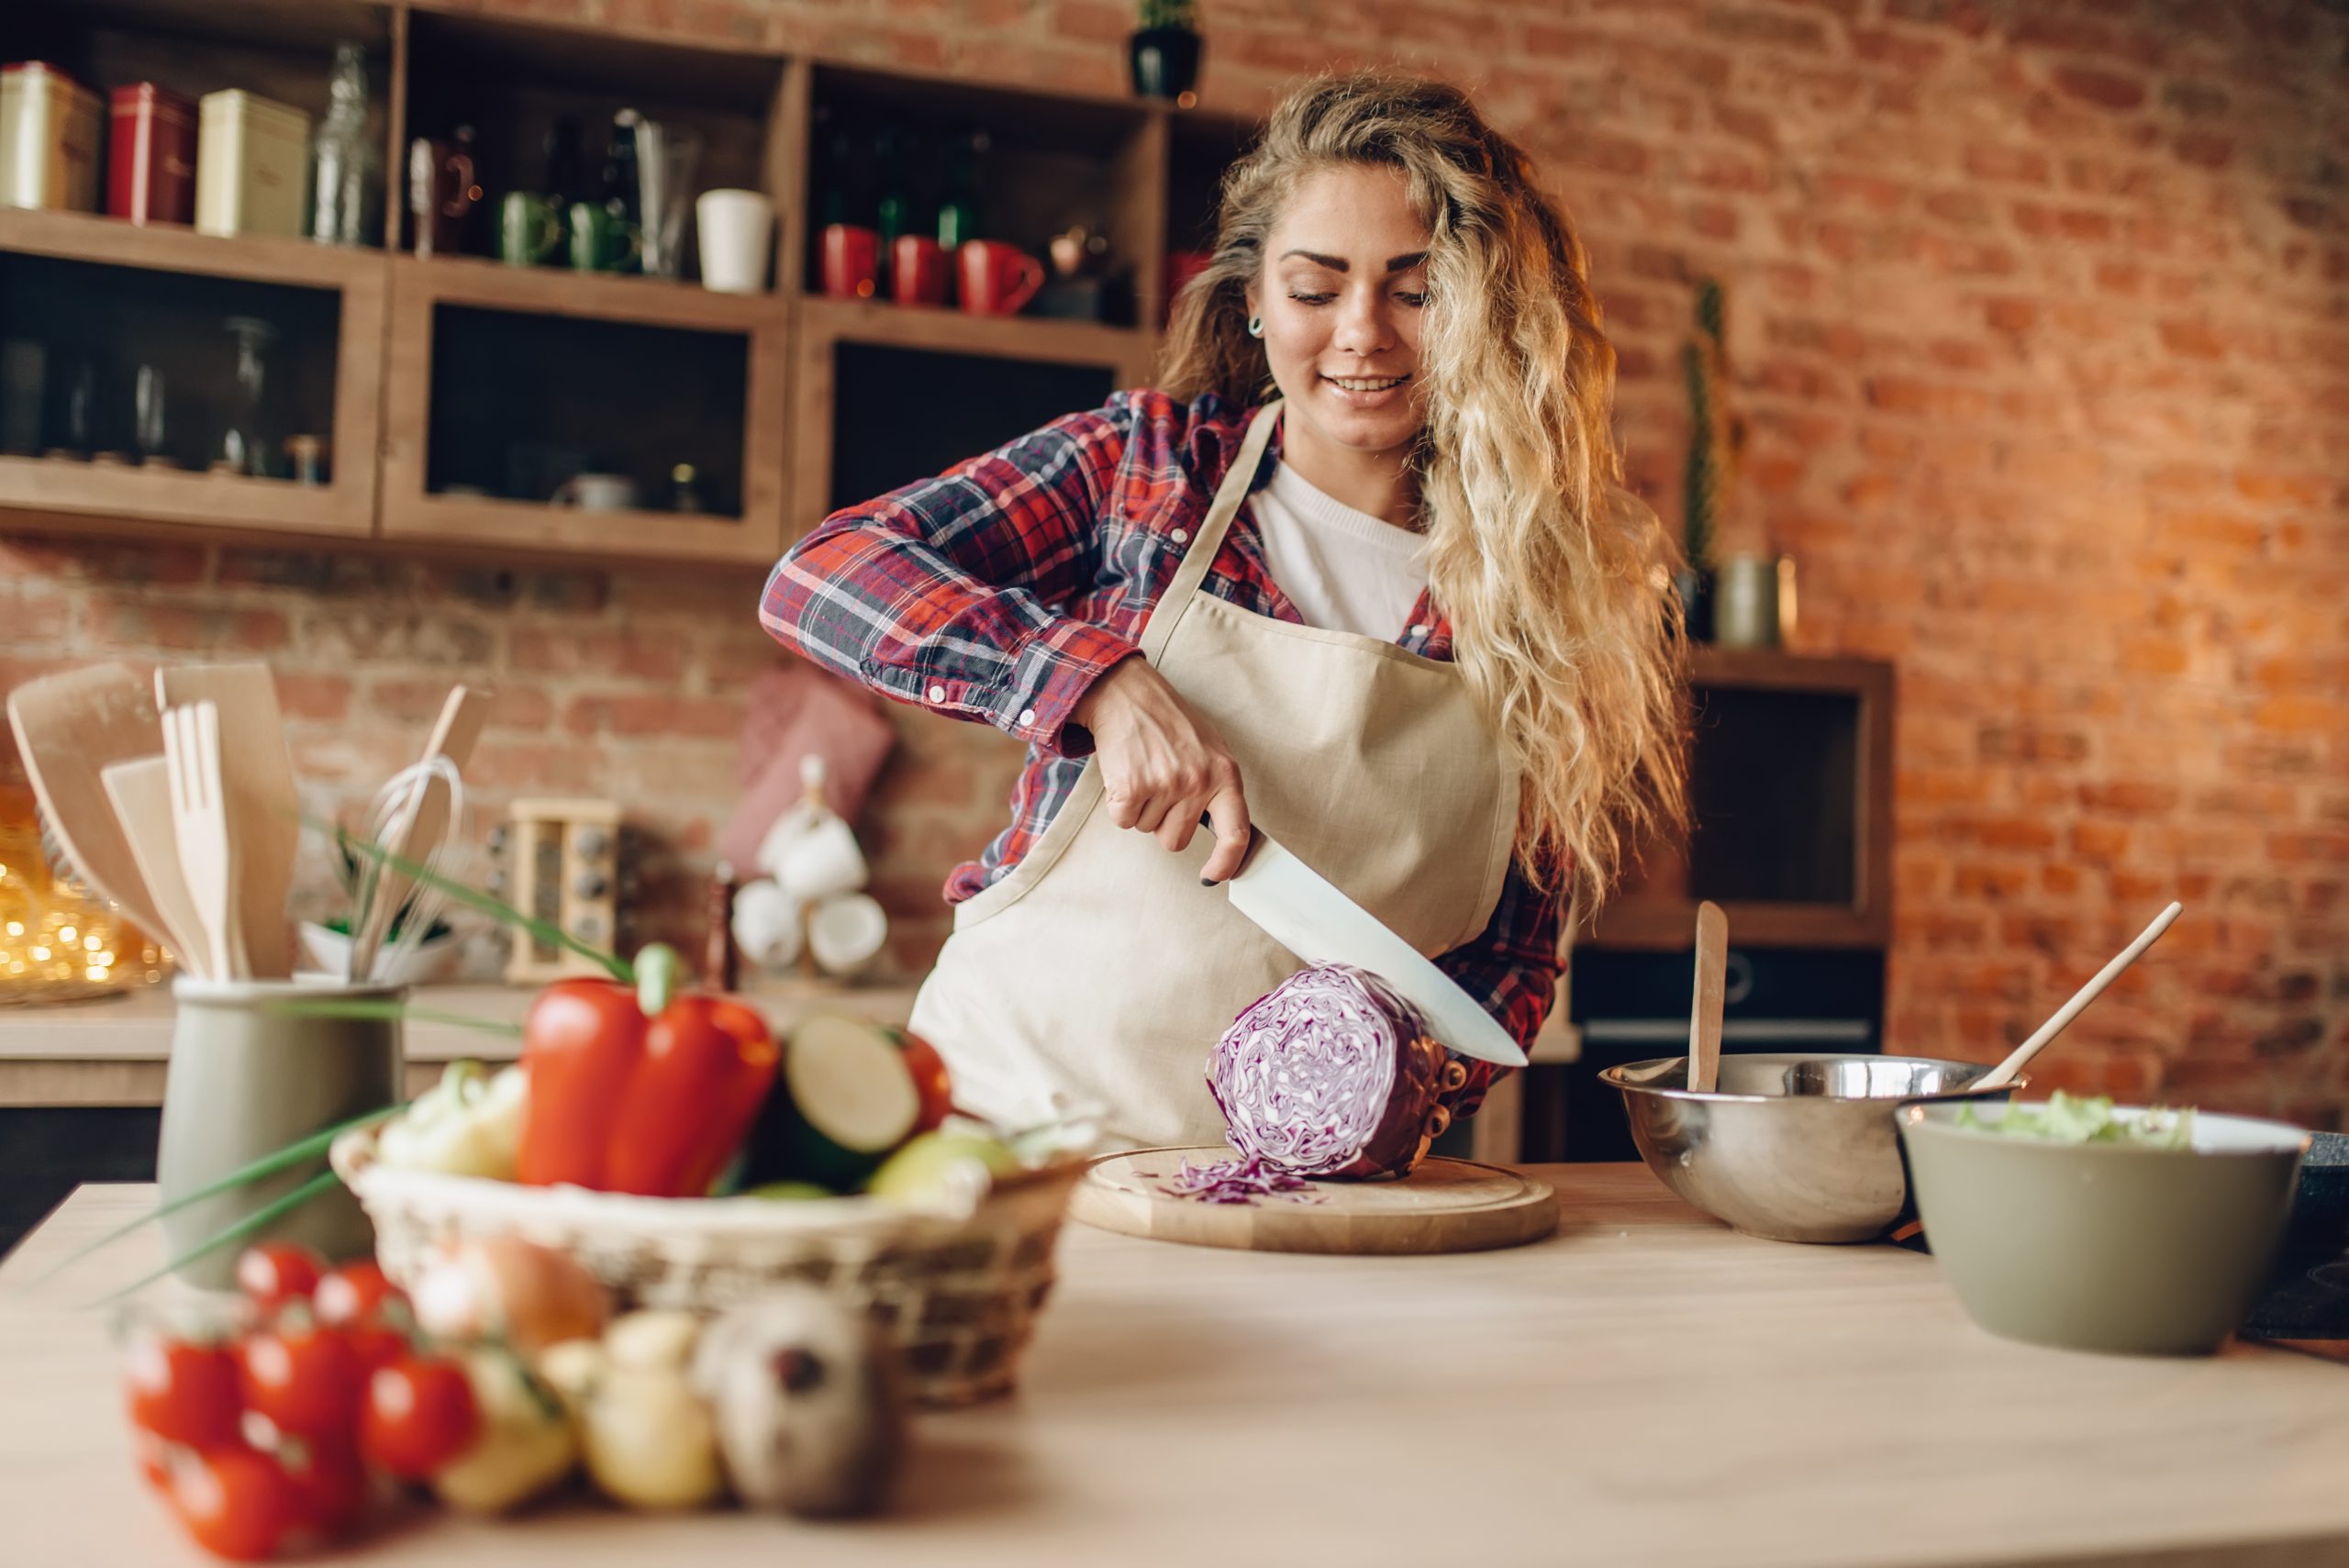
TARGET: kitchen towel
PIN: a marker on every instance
(791, 712)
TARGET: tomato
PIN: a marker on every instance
(326, 1483)
(374, 1345)
(304, 1376)
(356, 1293)
(182, 1392)
(281, 1271)
(235, 1502)
(421, 1415)
(930, 1082)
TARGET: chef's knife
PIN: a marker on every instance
(1304, 913)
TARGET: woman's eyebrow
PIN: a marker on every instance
(1338, 264)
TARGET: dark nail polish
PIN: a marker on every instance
(1209, 882)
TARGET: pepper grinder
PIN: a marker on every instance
(721, 962)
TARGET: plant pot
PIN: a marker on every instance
(245, 1081)
(1166, 61)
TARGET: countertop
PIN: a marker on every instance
(112, 1051)
(1645, 1387)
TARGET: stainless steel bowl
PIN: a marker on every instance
(1794, 1146)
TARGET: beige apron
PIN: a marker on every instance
(1099, 970)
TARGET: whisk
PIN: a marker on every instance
(394, 822)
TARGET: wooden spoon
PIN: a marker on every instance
(1998, 1077)
(141, 792)
(417, 829)
(1705, 1009)
(70, 727)
(263, 810)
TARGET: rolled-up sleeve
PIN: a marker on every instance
(1512, 970)
(950, 594)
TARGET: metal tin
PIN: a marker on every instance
(151, 157)
(48, 140)
(253, 165)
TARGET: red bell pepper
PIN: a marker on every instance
(636, 1090)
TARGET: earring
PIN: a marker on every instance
(1255, 327)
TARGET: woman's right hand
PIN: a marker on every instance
(1163, 765)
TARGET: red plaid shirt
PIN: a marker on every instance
(1003, 589)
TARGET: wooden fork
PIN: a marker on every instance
(200, 819)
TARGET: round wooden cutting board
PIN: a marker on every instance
(1445, 1206)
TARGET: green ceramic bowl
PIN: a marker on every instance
(2104, 1246)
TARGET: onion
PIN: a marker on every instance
(502, 1287)
(1331, 1073)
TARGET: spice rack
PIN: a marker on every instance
(432, 374)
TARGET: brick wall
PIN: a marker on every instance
(2039, 322)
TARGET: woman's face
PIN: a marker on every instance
(1340, 297)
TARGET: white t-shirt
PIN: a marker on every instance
(1345, 570)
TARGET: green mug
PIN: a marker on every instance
(601, 240)
(530, 229)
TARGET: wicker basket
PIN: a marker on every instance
(958, 1293)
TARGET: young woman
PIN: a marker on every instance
(1358, 570)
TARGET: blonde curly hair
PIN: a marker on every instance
(1555, 576)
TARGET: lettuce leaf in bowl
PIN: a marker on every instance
(2067, 1118)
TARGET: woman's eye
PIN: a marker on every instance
(1413, 299)
(1311, 298)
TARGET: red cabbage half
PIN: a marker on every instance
(1330, 1074)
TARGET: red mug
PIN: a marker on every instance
(1181, 266)
(917, 271)
(997, 279)
(851, 261)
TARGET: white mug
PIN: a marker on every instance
(735, 228)
(598, 493)
(822, 862)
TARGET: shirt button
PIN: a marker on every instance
(1418, 631)
(938, 694)
(1181, 536)
(1026, 716)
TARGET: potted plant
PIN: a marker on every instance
(1165, 50)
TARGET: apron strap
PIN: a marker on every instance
(1238, 480)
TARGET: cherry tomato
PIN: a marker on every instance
(304, 1377)
(281, 1271)
(154, 1457)
(931, 1084)
(182, 1392)
(421, 1415)
(235, 1502)
(374, 1345)
(326, 1483)
(354, 1293)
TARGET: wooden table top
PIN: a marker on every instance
(1645, 1387)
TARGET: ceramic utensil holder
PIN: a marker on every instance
(247, 1079)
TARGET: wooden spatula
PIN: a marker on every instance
(417, 830)
(70, 729)
(141, 792)
(1705, 1009)
(263, 809)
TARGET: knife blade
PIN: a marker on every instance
(1303, 911)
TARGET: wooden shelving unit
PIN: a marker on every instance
(1792, 778)
(401, 443)
(62, 488)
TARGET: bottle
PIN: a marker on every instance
(958, 202)
(621, 195)
(565, 181)
(346, 166)
(890, 211)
